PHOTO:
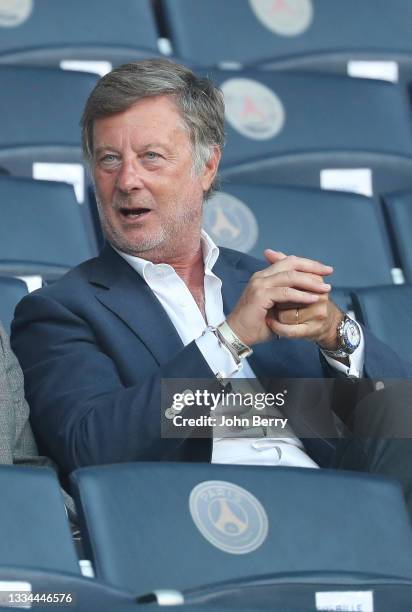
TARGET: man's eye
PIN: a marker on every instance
(152, 155)
(108, 158)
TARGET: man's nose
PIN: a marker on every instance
(129, 176)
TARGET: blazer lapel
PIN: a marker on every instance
(121, 289)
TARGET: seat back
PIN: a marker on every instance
(398, 207)
(177, 526)
(12, 290)
(47, 32)
(32, 116)
(42, 226)
(316, 131)
(271, 114)
(387, 311)
(344, 230)
(295, 32)
(34, 530)
(39, 132)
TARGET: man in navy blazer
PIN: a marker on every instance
(161, 301)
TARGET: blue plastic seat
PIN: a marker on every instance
(398, 207)
(40, 110)
(181, 526)
(289, 129)
(303, 34)
(292, 113)
(32, 518)
(42, 230)
(47, 32)
(344, 230)
(387, 311)
(12, 290)
(37, 547)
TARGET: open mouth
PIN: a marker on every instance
(134, 213)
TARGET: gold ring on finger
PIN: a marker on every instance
(297, 316)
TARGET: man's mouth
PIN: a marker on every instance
(134, 213)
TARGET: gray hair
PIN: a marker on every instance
(198, 100)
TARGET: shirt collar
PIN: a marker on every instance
(144, 267)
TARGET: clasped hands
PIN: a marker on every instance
(290, 298)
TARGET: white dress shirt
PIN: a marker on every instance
(181, 308)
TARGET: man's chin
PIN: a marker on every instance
(137, 248)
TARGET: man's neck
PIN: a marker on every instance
(192, 272)
(190, 269)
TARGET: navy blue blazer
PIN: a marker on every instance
(95, 345)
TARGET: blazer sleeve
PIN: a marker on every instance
(82, 411)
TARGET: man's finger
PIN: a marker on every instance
(288, 331)
(299, 280)
(305, 313)
(273, 256)
(279, 295)
(301, 264)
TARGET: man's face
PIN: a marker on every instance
(149, 198)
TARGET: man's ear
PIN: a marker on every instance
(210, 169)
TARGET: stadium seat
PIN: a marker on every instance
(46, 32)
(40, 110)
(387, 311)
(344, 230)
(42, 230)
(301, 34)
(37, 553)
(34, 528)
(290, 128)
(182, 526)
(41, 107)
(308, 130)
(398, 207)
(12, 290)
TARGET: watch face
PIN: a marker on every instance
(351, 334)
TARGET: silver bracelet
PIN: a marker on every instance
(231, 342)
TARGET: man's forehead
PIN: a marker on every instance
(156, 118)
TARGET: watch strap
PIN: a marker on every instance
(227, 338)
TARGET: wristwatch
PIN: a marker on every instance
(349, 337)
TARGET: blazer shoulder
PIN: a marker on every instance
(69, 284)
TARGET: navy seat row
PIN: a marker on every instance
(46, 32)
(268, 116)
(44, 231)
(291, 34)
(208, 536)
(303, 34)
